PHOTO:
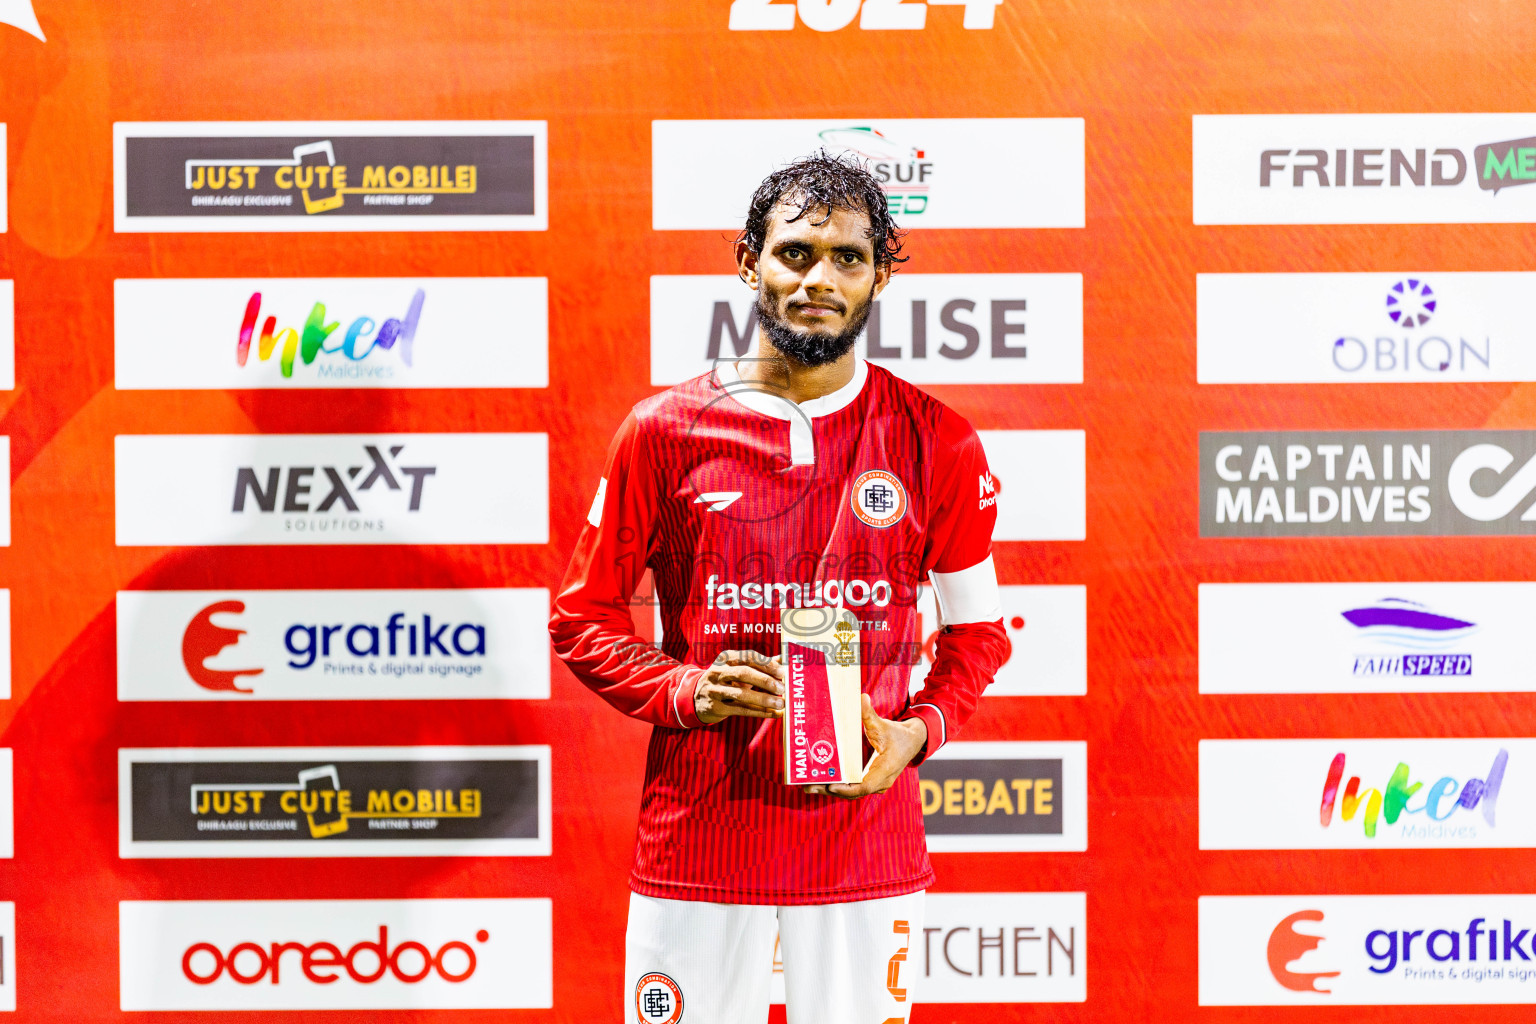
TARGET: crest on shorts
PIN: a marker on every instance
(878, 498)
(658, 1000)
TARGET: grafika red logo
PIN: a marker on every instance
(203, 639)
(323, 962)
(1287, 945)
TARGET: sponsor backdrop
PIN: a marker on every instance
(315, 323)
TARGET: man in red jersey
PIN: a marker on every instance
(799, 476)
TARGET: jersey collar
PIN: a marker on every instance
(754, 397)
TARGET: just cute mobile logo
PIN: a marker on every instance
(364, 337)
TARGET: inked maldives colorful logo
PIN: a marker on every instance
(1446, 797)
(357, 343)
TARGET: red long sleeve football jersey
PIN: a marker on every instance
(743, 503)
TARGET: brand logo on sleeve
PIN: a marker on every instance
(988, 487)
(718, 501)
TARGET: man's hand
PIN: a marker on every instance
(895, 743)
(744, 683)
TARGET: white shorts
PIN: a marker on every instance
(712, 963)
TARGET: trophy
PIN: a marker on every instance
(823, 723)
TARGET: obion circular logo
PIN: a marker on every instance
(658, 1000)
(821, 751)
(1410, 303)
(878, 498)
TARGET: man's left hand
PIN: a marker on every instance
(895, 743)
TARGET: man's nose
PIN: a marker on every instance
(820, 277)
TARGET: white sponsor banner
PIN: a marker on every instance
(429, 332)
(219, 489)
(1406, 950)
(5, 644)
(1400, 327)
(486, 954)
(7, 956)
(332, 644)
(5, 492)
(5, 188)
(925, 328)
(937, 172)
(1048, 641)
(7, 804)
(280, 176)
(878, 15)
(1366, 637)
(422, 801)
(1367, 794)
(1041, 478)
(7, 318)
(1364, 168)
(991, 947)
(967, 811)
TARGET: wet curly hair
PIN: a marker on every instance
(825, 182)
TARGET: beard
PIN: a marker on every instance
(809, 347)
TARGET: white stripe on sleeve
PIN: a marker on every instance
(970, 595)
(595, 513)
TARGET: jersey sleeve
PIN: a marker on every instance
(972, 644)
(591, 626)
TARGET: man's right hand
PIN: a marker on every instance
(745, 683)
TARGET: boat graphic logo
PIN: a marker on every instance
(1396, 622)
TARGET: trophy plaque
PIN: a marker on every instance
(823, 723)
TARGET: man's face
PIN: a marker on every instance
(815, 282)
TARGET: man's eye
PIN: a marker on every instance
(850, 258)
(794, 254)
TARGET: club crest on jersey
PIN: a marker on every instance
(878, 498)
(658, 1000)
